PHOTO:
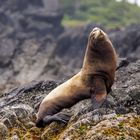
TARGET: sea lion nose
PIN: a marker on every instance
(96, 32)
(95, 29)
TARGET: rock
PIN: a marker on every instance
(23, 111)
(29, 93)
(26, 26)
(126, 41)
(36, 46)
(15, 137)
(30, 125)
(3, 131)
(118, 120)
(10, 116)
(110, 128)
(14, 116)
(7, 123)
(7, 49)
(52, 131)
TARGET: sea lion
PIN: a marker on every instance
(93, 81)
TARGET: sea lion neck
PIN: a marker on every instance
(97, 47)
(88, 62)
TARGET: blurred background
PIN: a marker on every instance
(46, 39)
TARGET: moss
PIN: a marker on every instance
(118, 115)
(122, 138)
(82, 129)
(22, 132)
(111, 131)
(121, 125)
(136, 122)
(72, 23)
(19, 132)
(121, 131)
(53, 131)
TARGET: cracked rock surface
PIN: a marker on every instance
(120, 120)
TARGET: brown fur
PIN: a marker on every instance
(100, 58)
(95, 78)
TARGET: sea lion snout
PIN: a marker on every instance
(96, 33)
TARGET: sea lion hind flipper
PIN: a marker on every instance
(40, 123)
(60, 117)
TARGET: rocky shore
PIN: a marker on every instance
(37, 53)
(120, 120)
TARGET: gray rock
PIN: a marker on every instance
(35, 46)
(3, 131)
(22, 111)
(9, 116)
(17, 110)
(7, 123)
(126, 41)
(15, 137)
(7, 49)
(30, 34)
(30, 125)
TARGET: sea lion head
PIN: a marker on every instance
(98, 38)
(100, 53)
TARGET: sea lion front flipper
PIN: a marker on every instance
(60, 117)
(98, 100)
(98, 92)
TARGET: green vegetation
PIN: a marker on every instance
(82, 128)
(121, 125)
(108, 13)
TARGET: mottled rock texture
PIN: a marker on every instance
(35, 46)
(119, 120)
